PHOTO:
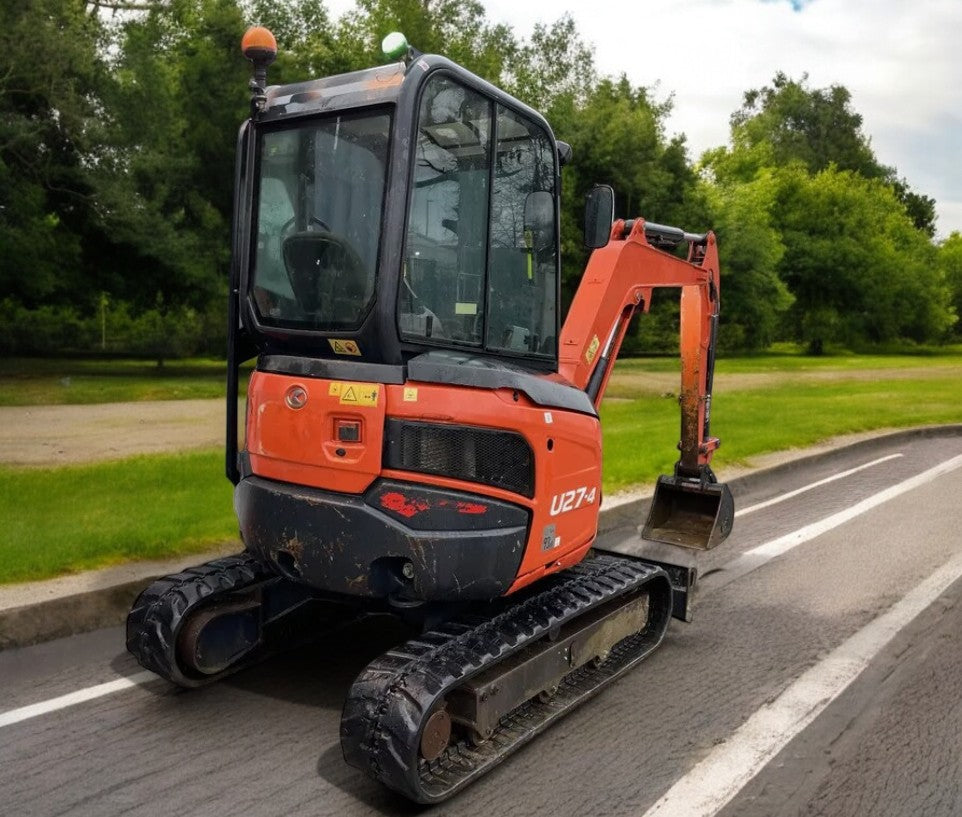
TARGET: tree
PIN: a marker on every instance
(50, 74)
(816, 127)
(618, 137)
(921, 208)
(856, 252)
(819, 127)
(117, 142)
(458, 29)
(309, 43)
(950, 263)
(554, 70)
(754, 297)
(617, 134)
(164, 186)
(859, 269)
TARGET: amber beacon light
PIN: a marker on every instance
(259, 46)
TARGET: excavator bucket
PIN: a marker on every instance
(690, 513)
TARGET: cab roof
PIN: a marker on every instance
(357, 89)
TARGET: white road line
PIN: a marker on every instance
(710, 785)
(785, 543)
(803, 489)
(756, 557)
(80, 696)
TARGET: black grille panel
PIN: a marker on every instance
(502, 459)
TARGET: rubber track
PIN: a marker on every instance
(392, 698)
(156, 616)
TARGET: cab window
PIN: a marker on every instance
(320, 198)
(522, 256)
(480, 260)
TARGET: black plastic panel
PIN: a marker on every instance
(502, 459)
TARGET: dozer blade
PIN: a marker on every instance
(690, 513)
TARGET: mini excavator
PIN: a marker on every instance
(422, 437)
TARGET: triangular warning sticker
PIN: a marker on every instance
(355, 394)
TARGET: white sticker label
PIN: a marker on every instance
(547, 418)
(572, 500)
(548, 538)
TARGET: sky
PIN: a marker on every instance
(900, 59)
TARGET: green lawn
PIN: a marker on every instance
(41, 381)
(65, 519)
(640, 435)
(58, 520)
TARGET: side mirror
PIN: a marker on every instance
(599, 216)
(564, 153)
(539, 220)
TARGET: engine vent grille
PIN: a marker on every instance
(502, 459)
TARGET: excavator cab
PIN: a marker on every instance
(396, 211)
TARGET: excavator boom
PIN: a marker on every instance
(689, 507)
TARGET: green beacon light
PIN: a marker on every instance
(395, 46)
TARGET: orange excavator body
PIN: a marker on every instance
(299, 444)
(422, 435)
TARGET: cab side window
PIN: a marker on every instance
(480, 262)
(442, 287)
(522, 260)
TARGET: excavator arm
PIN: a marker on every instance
(689, 508)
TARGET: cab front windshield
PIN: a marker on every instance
(318, 222)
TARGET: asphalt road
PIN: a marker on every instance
(786, 635)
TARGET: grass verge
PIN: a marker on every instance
(71, 518)
(61, 520)
(640, 435)
(55, 381)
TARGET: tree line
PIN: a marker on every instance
(117, 127)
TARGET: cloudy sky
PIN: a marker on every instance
(900, 59)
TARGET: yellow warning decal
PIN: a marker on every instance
(344, 347)
(592, 349)
(410, 394)
(355, 394)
